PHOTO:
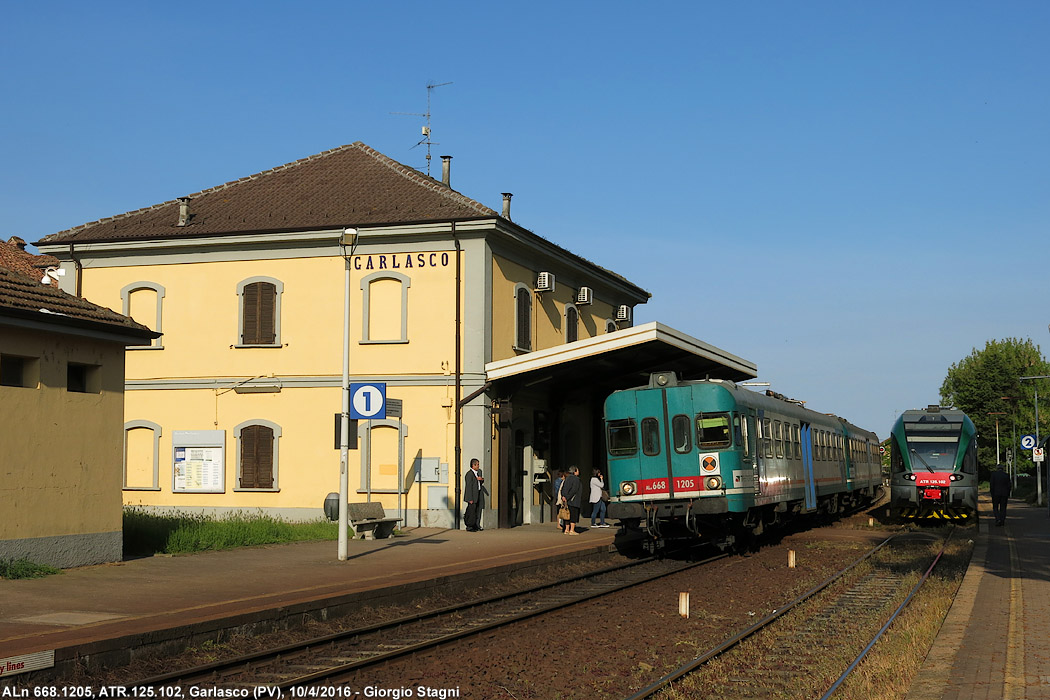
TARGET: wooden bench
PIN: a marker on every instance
(369, 520)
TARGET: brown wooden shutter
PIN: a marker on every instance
(256, 457)
(260, 314)
(524, 320)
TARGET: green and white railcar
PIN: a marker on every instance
(714, 460)
(933, 465)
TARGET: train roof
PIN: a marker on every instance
(934, 414)
(768, 399)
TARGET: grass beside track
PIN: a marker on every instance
(180, 533)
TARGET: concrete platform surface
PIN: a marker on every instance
(156, 601)
(995, 642)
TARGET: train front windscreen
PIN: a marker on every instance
(933, 446)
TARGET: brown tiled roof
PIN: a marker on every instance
(22, 297)
(14, 256)
(352, 185)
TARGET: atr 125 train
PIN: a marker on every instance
(713, 460)
(933, 465)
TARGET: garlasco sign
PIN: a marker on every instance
(401, 261)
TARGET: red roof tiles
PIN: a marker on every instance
(351, 185)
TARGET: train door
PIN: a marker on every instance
(807, 467)
(667, 460)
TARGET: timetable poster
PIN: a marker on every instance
(199, 469)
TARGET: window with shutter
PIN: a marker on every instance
(572, 324)
(257, 457)
(523, 333)
(259, 314)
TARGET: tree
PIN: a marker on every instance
(988, 382)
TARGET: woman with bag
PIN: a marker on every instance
(598, 498)
(571, 490)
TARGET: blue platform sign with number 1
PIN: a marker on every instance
(367, 401)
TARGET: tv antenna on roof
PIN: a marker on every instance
(426, 129)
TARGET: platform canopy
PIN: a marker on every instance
(618, 360)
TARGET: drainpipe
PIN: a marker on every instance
(459, 380)
(79, 271)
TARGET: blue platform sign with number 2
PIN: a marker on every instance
(1027, 442)
(367, 401)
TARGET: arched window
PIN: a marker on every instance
(572, 324)
(144, 302)
(382, 450)
(522, 318)
(257, 442)
(610, 325)
(141, 456)
(385, 304)
(260, 312)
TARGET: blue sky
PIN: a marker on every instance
(851, 195)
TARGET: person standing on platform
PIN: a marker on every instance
(571, 490)
(597, 502)
(556, 498)
(473, 486)
(999, 485)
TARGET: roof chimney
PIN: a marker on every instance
(17, 242)
(184, 211)
(446, 170)
(506, 205)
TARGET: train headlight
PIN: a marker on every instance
(628, 488)
(909, 476)
(955, 477)
(713, 483)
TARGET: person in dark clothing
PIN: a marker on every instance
(999, 485)
(473, 488)
(571, 491)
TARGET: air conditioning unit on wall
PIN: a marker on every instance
(583, 297)
(545, 282)
(623, 313)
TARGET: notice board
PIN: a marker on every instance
(198, 461)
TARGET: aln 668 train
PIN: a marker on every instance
(713, 460)
(933, 465)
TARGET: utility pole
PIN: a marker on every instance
(1038, 466)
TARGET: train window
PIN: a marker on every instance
(778, 437)
(797, 441)
(622, 437)
(650, 437)
(712, 430)
(767, 438)
(683, 440)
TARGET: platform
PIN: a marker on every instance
(995, 642)
(102, 614)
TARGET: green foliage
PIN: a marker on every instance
(23, 568)
(987, 386)
(178, 533)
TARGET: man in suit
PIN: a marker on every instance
(473, 488)
(999, 484)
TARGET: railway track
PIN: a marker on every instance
(313, 662)
(793, 642)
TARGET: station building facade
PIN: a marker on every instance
(62, 393)
(233, 406)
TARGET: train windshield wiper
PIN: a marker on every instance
(921, 459)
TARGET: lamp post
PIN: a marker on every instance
(1011, 454)
(347, 240)
(998, 461)
(1038, 468)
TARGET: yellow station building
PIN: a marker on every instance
(489, 340)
